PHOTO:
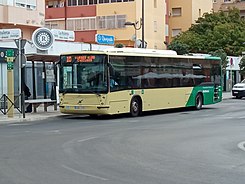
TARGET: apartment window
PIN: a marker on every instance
(78, 24)
(111, 22)
(121, 19)
(29, 4)
(82, 2)
(91, 2)
(93, 23)
(101, 22)
(155, 26)
(227, 1)
(81, 24)
(116, 1)
(77, 2)
(155, 3)
(59, 24)
(103, 1)
(176, 11)
(70, 25)
(175, 32)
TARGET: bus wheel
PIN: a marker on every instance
(198, 101)
(135, 107)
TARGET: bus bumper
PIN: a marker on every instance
(84, 109)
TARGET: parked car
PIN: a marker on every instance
(238, 90)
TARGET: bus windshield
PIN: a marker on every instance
(83, 74)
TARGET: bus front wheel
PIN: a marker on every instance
(198, 101)
(135, 107)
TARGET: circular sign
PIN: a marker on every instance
(42, 38)
(2, 54)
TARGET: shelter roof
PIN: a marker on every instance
(42, 57)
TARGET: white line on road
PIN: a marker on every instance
(87, 139)
(84, 174)
(241, 145)
(19, 124)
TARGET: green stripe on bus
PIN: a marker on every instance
(208, 95)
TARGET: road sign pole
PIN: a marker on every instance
(20, 79)
(10, 75)
(20, 43)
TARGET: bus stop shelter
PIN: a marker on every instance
(49, 75)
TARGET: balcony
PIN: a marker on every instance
(237, 4)
(55, 13)
(69, 12)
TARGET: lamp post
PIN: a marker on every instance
(135, 28)
(143, 23)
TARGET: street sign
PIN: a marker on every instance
(5, 51)
(10, 34)
(22, 43)
(10, 65)
(65, 35)
(42, 38)
(105, 39)
(10, 53)
(10, 59)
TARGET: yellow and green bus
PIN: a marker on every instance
(128, 80)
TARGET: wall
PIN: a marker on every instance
(119, 9)
(182, 22)
(205, 7)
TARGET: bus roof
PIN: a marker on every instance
(143, 52)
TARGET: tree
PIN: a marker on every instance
(214, 31)
(242, 66)
(180, 48)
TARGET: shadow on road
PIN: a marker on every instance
(144, 114)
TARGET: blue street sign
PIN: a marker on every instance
(105, 39)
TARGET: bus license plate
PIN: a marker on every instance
(78, 107)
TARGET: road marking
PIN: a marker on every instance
(53, 131)
(241, 145)
(19, 124)
(87, 139)
(84, 174)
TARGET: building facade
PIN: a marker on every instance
(22, 14)
(224, 5)
(90, 17)
(182, 14)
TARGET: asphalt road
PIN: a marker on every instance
(165, 147)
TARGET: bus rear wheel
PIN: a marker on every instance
(135, 107)
(198, 101)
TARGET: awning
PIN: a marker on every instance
(42, 57)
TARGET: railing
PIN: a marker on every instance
(5, 100)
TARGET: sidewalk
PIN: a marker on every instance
(41, 115)
(227, 95)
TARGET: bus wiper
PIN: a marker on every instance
(64, 91)
(96, 93)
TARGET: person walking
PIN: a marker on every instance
(27, 95)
